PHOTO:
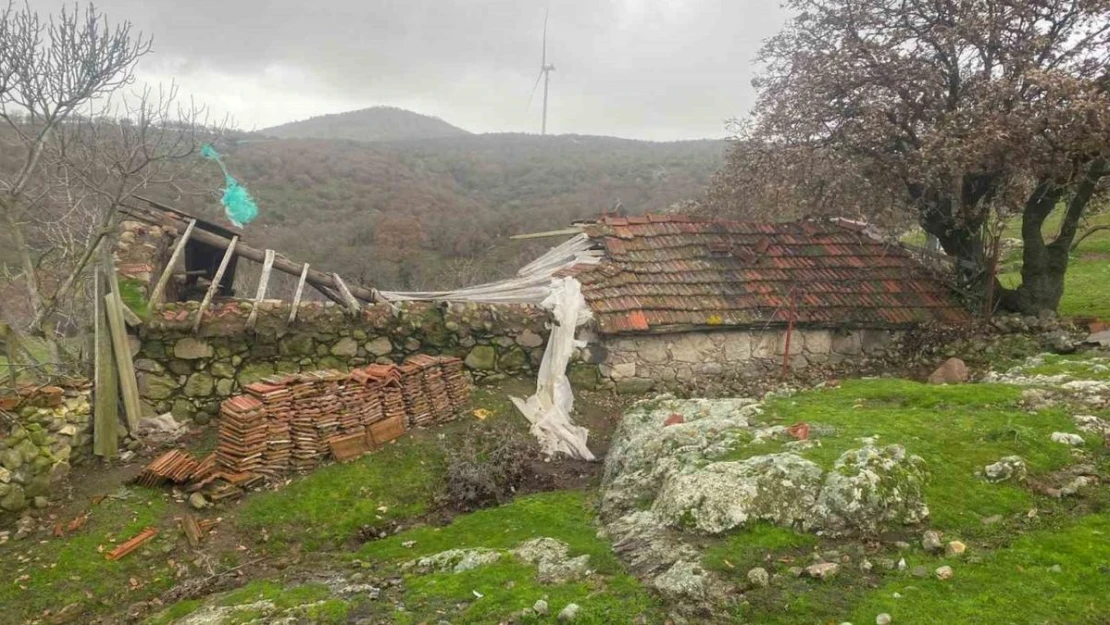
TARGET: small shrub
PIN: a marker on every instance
(488, 464)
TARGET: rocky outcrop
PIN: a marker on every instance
(869, 489)
(780, 488)
(672, 474)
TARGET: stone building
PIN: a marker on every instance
(676, 300)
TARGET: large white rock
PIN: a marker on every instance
(871, 488)
(780, 488)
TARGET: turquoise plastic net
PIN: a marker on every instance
(238, 203)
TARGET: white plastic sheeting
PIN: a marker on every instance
(550, 408)
(531, 285)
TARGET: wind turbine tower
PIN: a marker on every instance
(545, 74)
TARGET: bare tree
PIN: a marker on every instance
(87, 139)
(962, 113)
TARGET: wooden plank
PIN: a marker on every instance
(352, 303)
(282, 264)
(160, 288)
(263, 282)
(297, 295)
(128, 386)
(106, 389)
(215, 286)
(549, 233)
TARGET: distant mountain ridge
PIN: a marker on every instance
(378, 123)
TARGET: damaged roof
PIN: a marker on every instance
(672, 272)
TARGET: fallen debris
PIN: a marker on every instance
(132, 544)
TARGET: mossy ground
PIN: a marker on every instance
(311, 526)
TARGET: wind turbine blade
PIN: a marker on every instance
(543, 59)
(533, 94)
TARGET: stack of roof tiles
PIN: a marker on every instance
(454, 377)
(173, 466)
(294, 422)
(435, 387)
(243, 434)
(664, 272)
(417, 403)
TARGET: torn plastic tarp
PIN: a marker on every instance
(549, 409)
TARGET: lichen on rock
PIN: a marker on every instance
(779, 488)
(870, 488)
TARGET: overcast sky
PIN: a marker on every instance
(648, 69)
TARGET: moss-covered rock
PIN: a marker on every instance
(300, 344)
(254, 372)
(223, 369)
(583, 376)
(346, 347)
(199, 385)
(190, 348)
(513, 359)
(183, 410)
(153, 386)
(380, 346)
(869, 489)
(779, 488)
(482, 358)
(13, 498)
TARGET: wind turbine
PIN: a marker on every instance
(545, 74)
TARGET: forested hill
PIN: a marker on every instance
(379, 123)
(437, 213)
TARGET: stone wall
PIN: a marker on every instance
(189, 374)
(642, 363)
(51, 430)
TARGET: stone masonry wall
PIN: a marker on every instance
(190, 374)
(642, 363)
(51, 430)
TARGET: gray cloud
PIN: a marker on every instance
(657, 69)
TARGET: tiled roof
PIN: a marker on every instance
(670, 270)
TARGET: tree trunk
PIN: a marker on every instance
(1044, 265)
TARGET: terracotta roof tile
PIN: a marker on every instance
(666, 270)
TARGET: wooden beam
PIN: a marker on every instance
(215, 286)
(549, 233)
(106, 389)
(352, 303)
(297, 295)
(128, 385)
(263, 282)
(160, 288)
(282, 264)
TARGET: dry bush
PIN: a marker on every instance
(487, 464)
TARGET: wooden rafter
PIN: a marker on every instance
(215, 286)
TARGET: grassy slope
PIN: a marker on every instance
(957, 430)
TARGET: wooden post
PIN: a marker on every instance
(789, 332)
(106, 391)
(215, 286)
(160, 288)
(352, 303)
(128, 384)
(297, 295)
(8, 334)
(263, 282)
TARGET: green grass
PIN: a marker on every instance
(956, 429)
(131, 292)
(741, 551)
(608, 596)
(328, 506)
(58, 572)
(1084, 366)
(1012, 585)
(1087, 283)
